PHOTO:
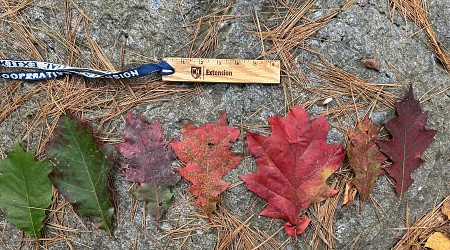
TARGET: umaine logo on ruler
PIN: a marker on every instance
(196, 72)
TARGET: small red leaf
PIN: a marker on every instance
(206, 152)
(294, 164)
(148, 160)
(364, 157)
(409, 140)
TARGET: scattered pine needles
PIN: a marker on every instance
(288, 37)
(323, 235)
(351, 92)
(236, 234)
(417, 234)
(417, 11)
(232, 233)
(205, 37)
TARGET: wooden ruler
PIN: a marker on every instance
(223, 70)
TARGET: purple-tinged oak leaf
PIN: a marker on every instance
(147, 160)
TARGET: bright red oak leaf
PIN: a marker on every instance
(206, 152)
(294, 164)
(147, 160)
(409, 139)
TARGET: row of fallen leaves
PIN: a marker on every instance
(428, 26)
(294, 164)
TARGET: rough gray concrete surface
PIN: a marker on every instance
(154, 28)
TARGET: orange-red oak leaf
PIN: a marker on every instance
(365, 157)
(206, 152)
(294, 163)
(409, 139)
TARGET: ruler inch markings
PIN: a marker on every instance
(223, 70)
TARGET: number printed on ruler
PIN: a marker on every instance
(223, 70)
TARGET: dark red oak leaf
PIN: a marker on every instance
(294, 163)
(148, 160)
(206, 152)
(365, 157)
(409, 139)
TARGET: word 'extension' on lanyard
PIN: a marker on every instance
(172, 69)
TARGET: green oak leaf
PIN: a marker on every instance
(81, 171)
(25, 190)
